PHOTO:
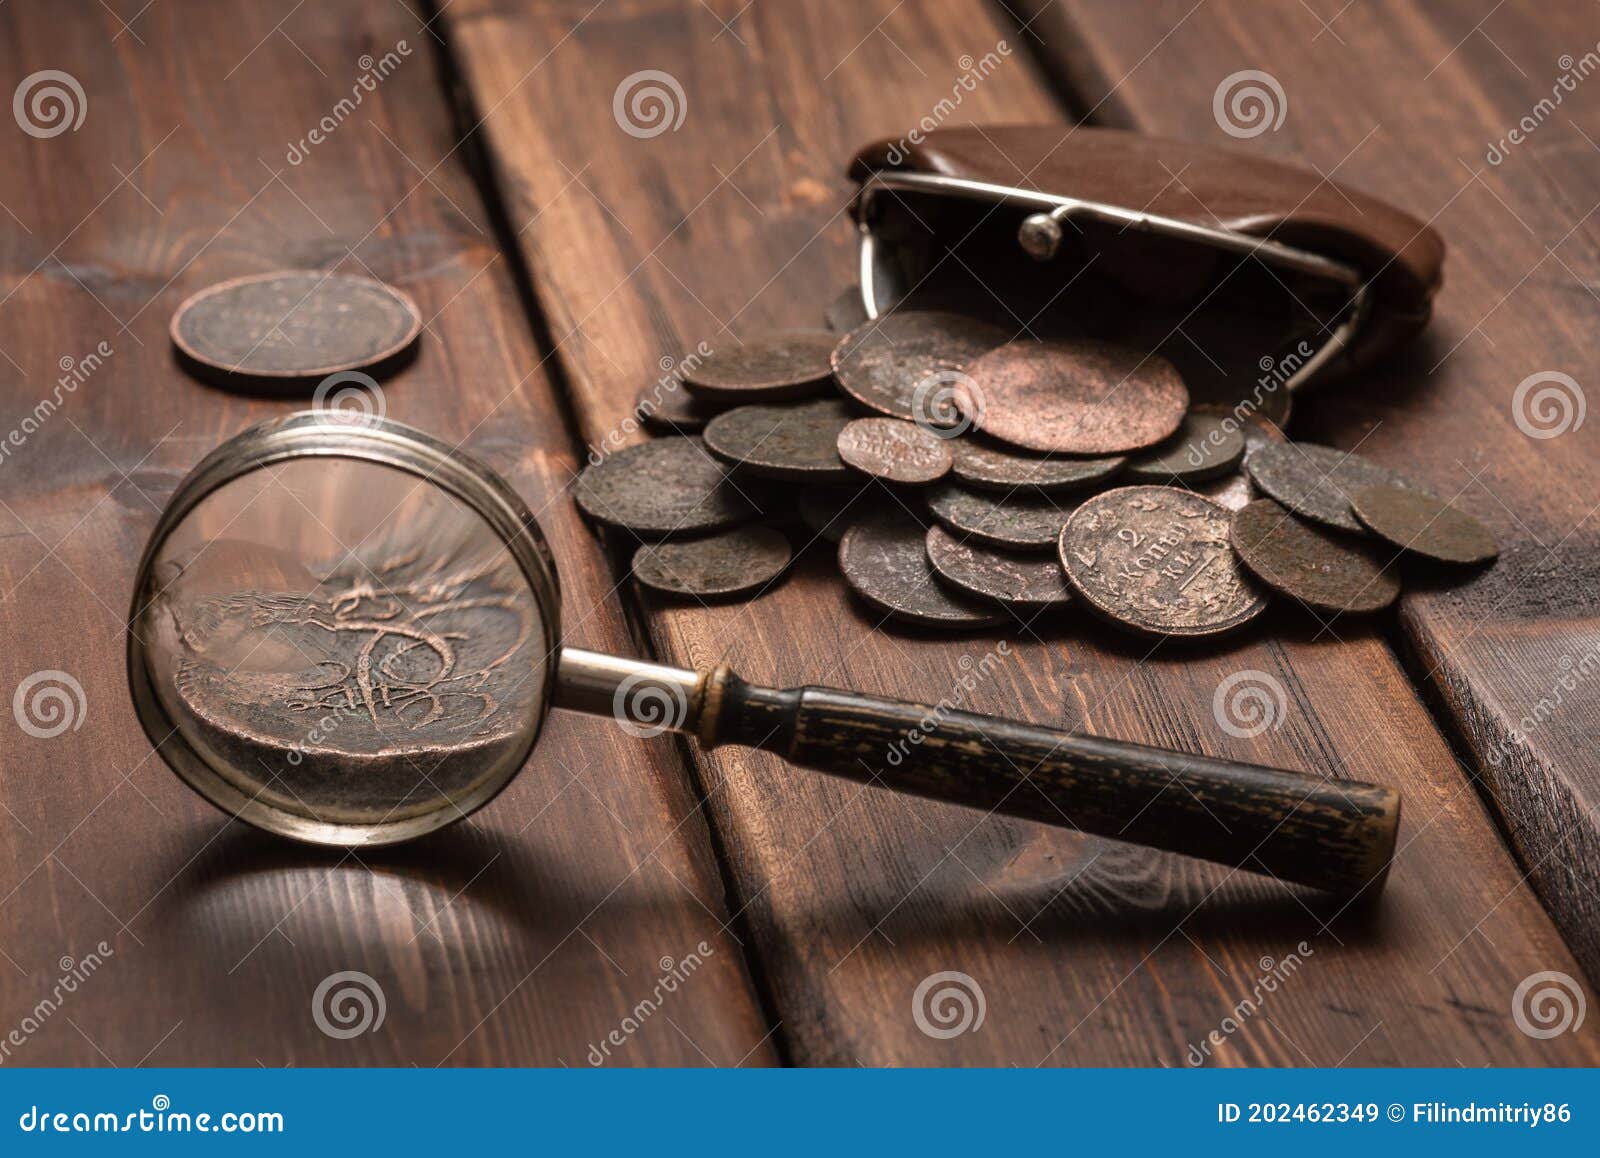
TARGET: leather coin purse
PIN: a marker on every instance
(1254, 277)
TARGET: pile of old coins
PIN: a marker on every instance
(973, 480)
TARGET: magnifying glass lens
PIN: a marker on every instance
(351, 651)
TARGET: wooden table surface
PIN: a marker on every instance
(470, 153)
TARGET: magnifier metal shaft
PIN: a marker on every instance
(1332, 835)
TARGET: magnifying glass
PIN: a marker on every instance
(348, 633)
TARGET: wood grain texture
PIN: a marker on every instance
(524, 936)
(1417, 102)
(1087, 952)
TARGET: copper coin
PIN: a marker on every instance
(1157, 560)
(799, 443)
(669, 486)
(1315, 481)
(1073, 397)
(1425, 525)
(1207, 444)
(829, 511)
(847, 311)
(295, 324)
(906, 365)
(1000, 468)
(1234, 490)
(771, 368)
(674, 410)
(1020, 521)
(1023, 582)
(885, 562)
(731, 563)
(895, 450)
(1325, 569)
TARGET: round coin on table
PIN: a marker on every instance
(771, 368)
(669, 486)
(1157, 560)
(294, 326)
(1422, 524)
(1000, 468)
(1021, 582)
(894, 450)
(1315, 481)
(1075, 396)
(796, 443)
(1325, 569)
(731, 563)
(904, 365)
(1207, 444)
(1020, 521)
(884, 561)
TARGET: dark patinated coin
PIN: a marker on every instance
(1073, 396)
(1021, 521)
(1425, 525)
(731, 563)
(295, 325)
(1325, 569)
(1023, 582)
(885, 562)
(674, 410)
(771, 368)
(895, 450)
(905, 365)
(1315, 481)
(847, 311)
(1157, 560)
(1207, 444)
(669, 486)
(1234, 490)
(998, 468)
(799, 443)
(829, 511)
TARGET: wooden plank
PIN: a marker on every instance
(524, 936)
(1418, 102)
(1085, 952)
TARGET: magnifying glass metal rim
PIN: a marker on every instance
(368, 438)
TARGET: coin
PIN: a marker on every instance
(1004, 469)
(1073, 396)
(1207, 444)
(894, 450)
(730, 563)
(294, 324)
(829, 511)
(674, 411)
(669, 486)
(1023, 582)
(771, 368)
(1315, 481)
(846, 311)
(799, 443)
(1325, 569)
(1022, 521)
(1234, 490)
(1157, 560)
(1423, 524)
(885, 562)
(904, 365)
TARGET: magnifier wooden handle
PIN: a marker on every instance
(1332, 835)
